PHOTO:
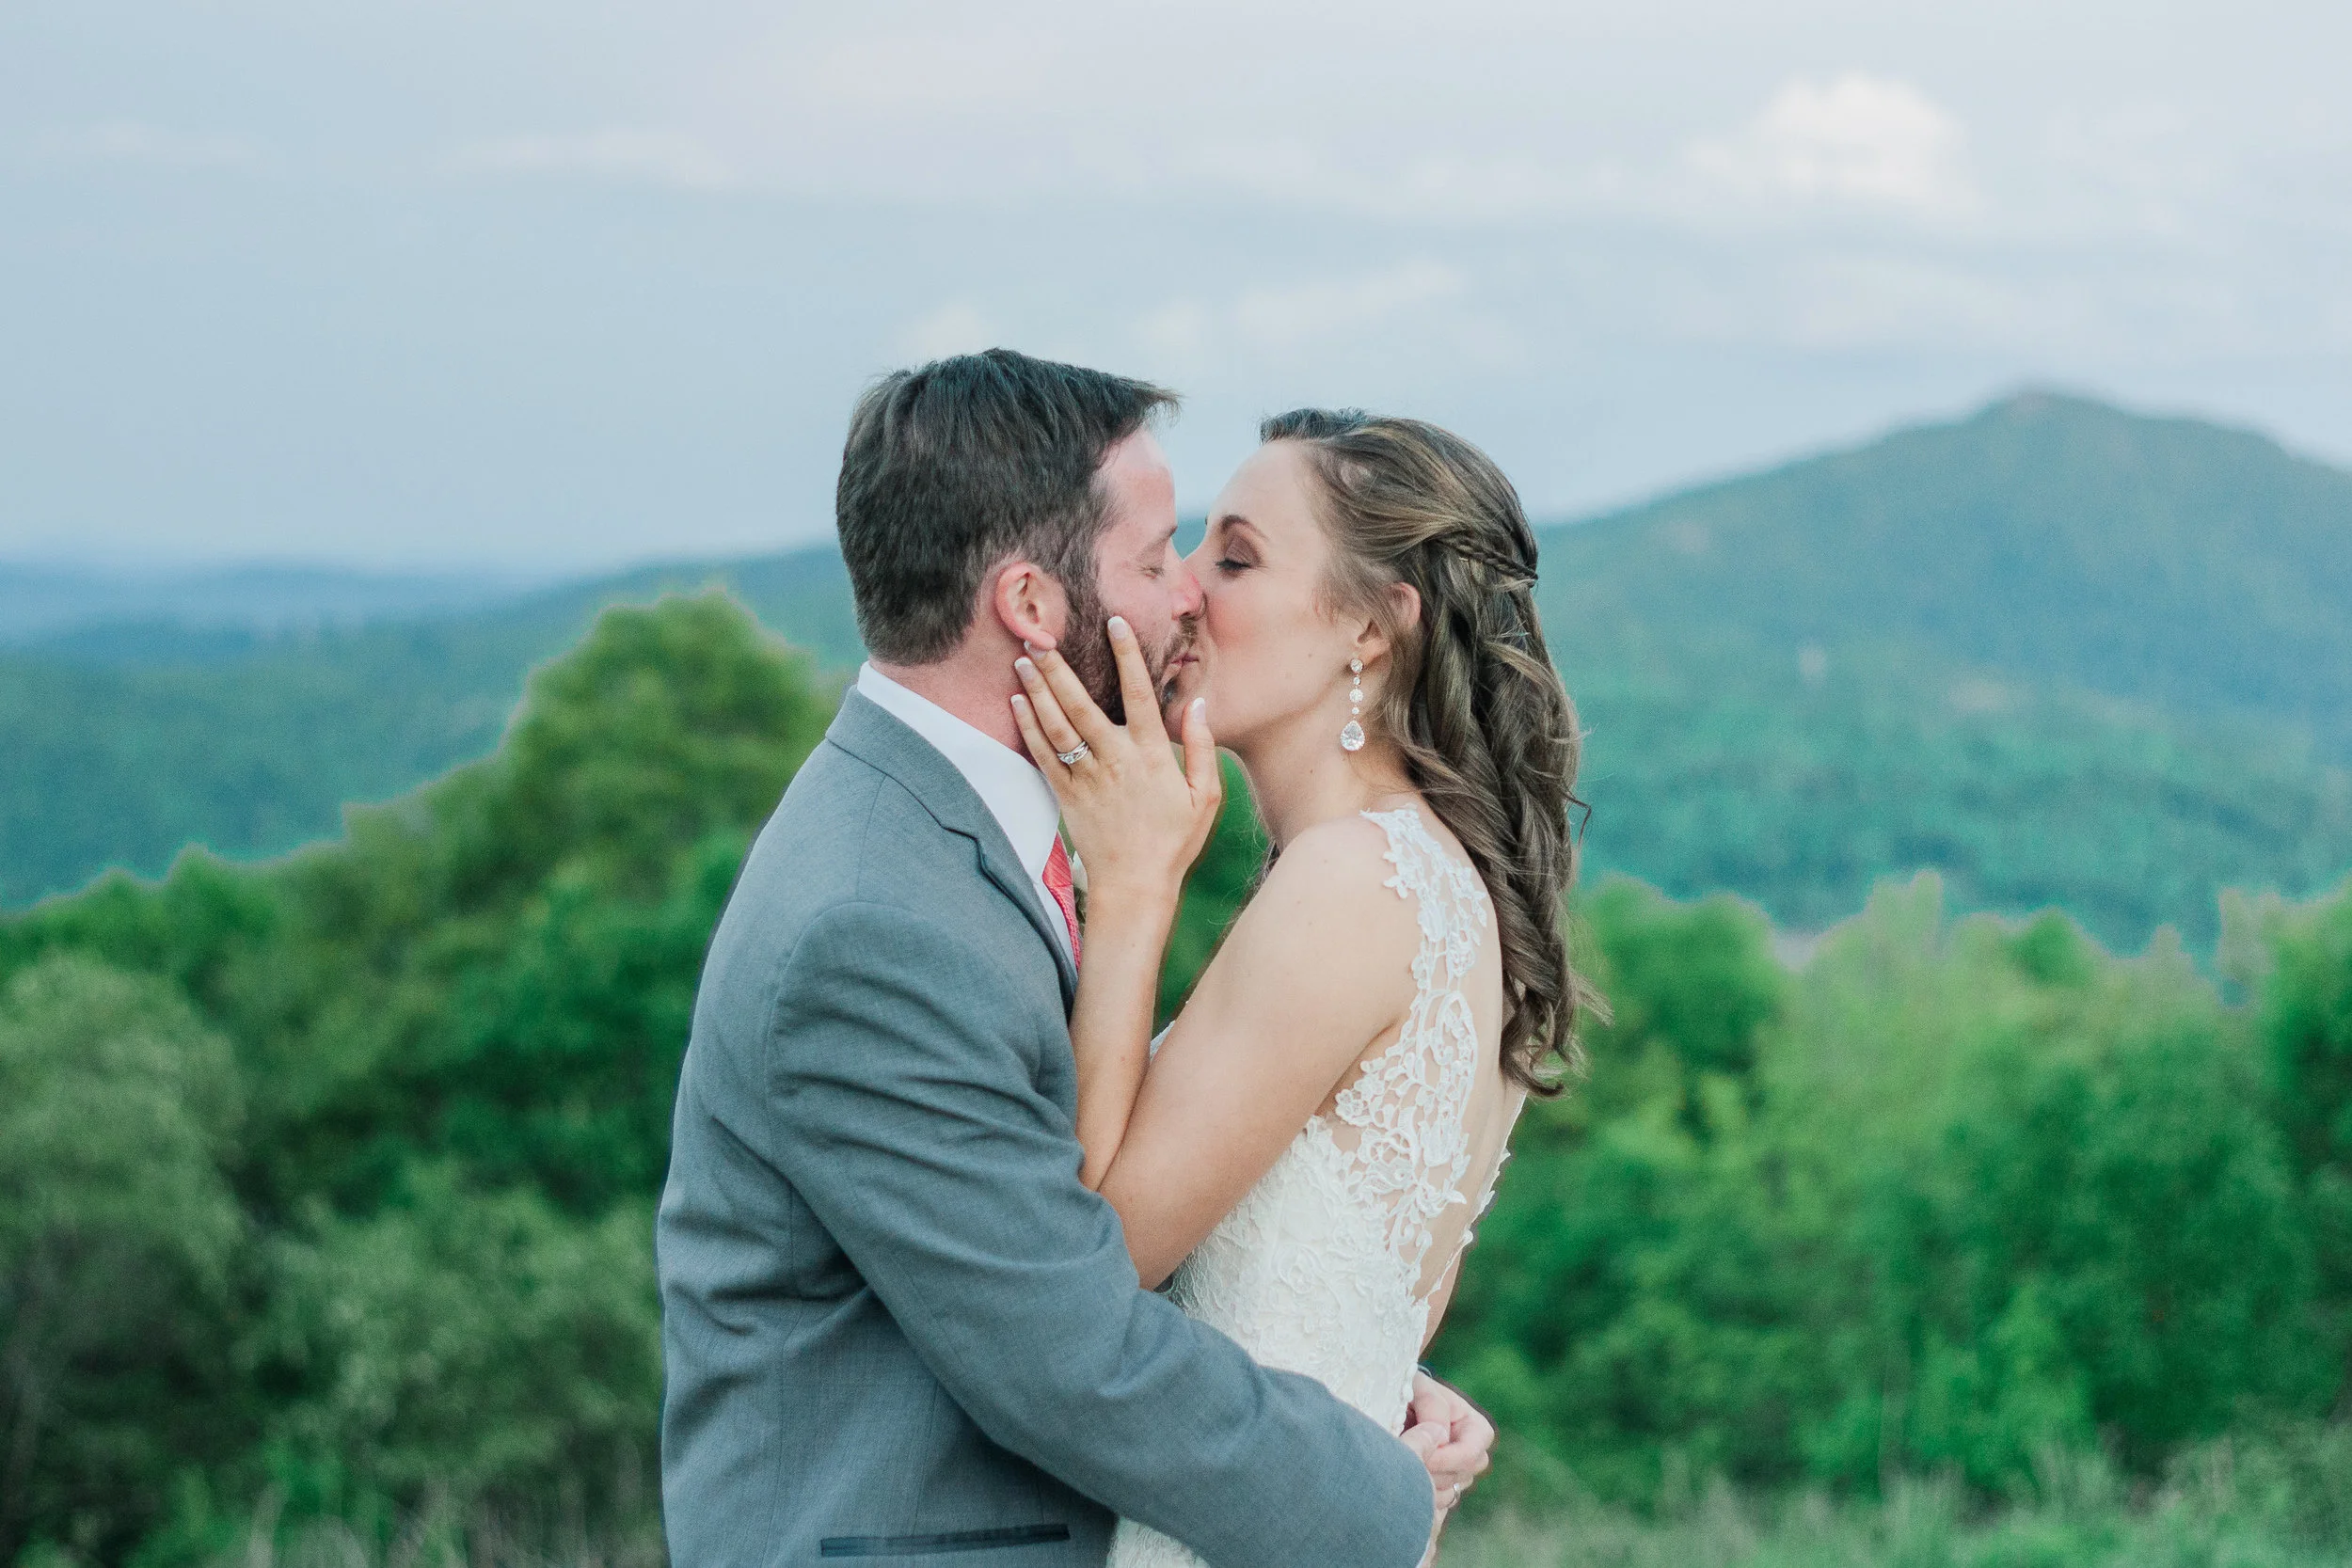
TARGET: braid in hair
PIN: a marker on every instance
(1486, 731)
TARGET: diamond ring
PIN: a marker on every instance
(1075, 755)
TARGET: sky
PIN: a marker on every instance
(549, 287)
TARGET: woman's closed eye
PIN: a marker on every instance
(1232, 568)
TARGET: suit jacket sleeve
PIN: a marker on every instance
(905, 1112)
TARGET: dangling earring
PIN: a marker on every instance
(1352, 737)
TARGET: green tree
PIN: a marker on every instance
(118, 1238)
(467, 1346)
(2305, 1010)
(1954, 1195)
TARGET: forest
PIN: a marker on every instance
(326, 1191)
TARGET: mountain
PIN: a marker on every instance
(2065, 654)
(2203, 570)
(235, 603)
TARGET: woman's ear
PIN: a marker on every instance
(1372, 642)
(1405, 599)
(1029, 605)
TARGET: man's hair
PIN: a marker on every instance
(965, 463)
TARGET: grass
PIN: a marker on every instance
(2284, 1504)
(2283, 1500)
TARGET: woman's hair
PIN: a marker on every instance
(1488, 734)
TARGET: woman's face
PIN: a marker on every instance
(1269, 653)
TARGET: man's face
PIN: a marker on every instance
(1138, 574)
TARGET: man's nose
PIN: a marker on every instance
(1186, 593)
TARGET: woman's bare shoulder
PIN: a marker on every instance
(1330, 898)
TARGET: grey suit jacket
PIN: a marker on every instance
(895, 1324)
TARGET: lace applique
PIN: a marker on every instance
(1403, 1119)
(1319, 1268)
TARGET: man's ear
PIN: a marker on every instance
(1029, 604)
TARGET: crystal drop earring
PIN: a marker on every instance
(1352, 737)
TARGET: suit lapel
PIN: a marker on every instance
(864, 730)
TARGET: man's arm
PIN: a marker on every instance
(905, 1114)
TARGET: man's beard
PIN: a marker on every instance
(1086, 645)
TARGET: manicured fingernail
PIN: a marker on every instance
(1199, 705)
(1028, 646)
(1024, 666)
(1118, 625)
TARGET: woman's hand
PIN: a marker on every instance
(1137, 819)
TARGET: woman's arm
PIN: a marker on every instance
(1110, 1022)
(1137, 821)
(1318, 968)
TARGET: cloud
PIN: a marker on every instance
(128, 141)
(1422, 187)
(628, 155)
(1181, 330)
(1318, 321)
(1288, 317)
(955, 327)
(1864, 141)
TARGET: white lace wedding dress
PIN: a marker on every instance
(1320, 1268)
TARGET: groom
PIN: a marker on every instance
(896, 1324)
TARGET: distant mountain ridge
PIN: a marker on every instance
(40, 602)
(2064, 653)
(2202, 569)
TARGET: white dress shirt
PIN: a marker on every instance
(1007, 781)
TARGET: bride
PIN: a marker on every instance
(1301, 1155)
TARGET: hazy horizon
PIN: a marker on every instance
(523, 576)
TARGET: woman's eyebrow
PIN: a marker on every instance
(1233, 520)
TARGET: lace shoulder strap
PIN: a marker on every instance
(1407, 1110)
(1453, 903)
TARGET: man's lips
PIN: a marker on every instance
(1173, 673)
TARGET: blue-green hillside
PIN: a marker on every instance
(2061, 653)
(2201, 570)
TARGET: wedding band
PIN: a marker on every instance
(1075, 755)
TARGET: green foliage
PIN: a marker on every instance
(119, 1245)
(128, 744)
(1715, 762)
(1220, 883)
(1951, 1197)
(476, 1344)
(324, 1189)
(454, 1038)
(2306, 1023)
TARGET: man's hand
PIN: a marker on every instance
(1451, 1435)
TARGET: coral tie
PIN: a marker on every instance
(1057, 883)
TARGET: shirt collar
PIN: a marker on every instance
(1008, 783)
